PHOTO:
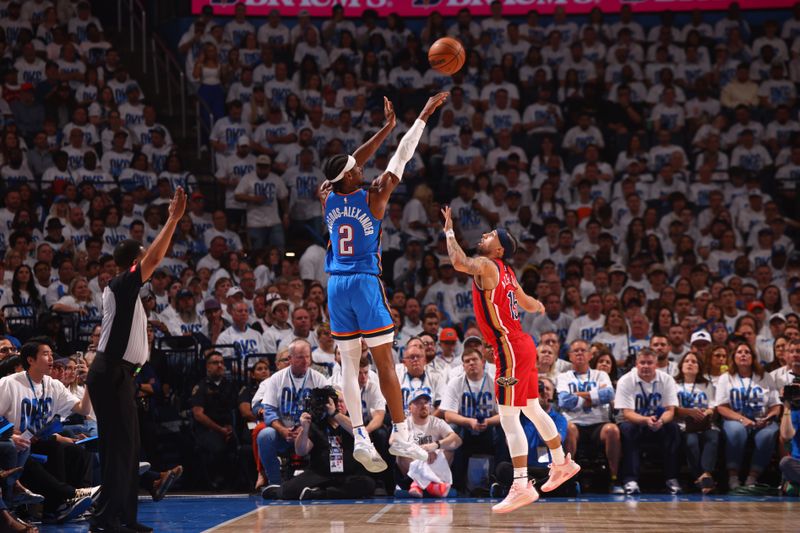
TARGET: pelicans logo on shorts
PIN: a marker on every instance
(509, 381)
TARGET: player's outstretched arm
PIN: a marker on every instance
(383, 186)
(368, 149)
(477, 266)
(528, 302)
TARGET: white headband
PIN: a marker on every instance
(351, 162)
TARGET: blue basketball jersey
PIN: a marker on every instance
(355, 235)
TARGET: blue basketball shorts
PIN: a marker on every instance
(358, 307)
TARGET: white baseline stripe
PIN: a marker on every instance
(232, 520)
(377, 516)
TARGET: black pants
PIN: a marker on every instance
(112, 391)
(337, 487)
(67, 468)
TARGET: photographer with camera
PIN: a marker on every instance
(326, 436)
(790, 421)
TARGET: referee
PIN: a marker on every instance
(122, 350)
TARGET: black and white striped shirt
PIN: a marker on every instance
(123, 332)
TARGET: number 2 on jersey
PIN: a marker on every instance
(345, 239)
(512, 304)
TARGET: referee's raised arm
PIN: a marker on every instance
(156, 252)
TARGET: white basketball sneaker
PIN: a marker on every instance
(365, 453)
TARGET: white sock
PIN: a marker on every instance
(401, 431)
(733, 481)
(558, 455)
(360, 433)
(521, 477)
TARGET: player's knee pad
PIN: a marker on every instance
(512, 427)
(350, 349)
(544, 424)
(386, 338)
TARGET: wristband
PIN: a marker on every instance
(438, 445)
(450, 234)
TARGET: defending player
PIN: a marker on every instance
(356, 299)
(496, 295)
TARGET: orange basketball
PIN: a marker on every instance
(447, 55)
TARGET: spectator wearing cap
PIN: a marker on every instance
(436, 437)
(281, 332)
(215, 323)
(446, 356)
(185, 320)
(765, 341)
(230, 171)
(131, 111)
(28, 113)
(267, 208)
(158, 285)
(201, 220)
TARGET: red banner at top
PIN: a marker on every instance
(422, 8)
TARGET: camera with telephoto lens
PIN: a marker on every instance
(791, 393)
(316, 403)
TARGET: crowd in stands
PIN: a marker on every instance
(649, 175)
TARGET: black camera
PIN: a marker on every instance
(316, 403)
(791, 393)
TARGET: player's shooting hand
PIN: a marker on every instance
(448, 220)
(388, 112)
(178, 204)
(433, 103)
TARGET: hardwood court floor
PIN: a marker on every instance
(590, 515)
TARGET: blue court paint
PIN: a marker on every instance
(193, 514)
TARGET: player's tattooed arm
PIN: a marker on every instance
(477, 266)
(528, 302)
(368, 149)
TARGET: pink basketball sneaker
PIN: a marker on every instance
(561, 473)
(516, 498)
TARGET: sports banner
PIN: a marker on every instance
(422, 8)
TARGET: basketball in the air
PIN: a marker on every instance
(447, 55)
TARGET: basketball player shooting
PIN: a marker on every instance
(356, 299)
(496, 296)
